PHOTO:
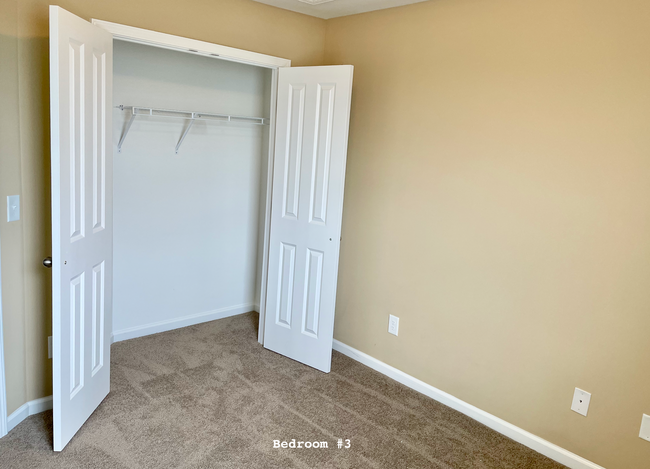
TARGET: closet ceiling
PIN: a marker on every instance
(333, 8)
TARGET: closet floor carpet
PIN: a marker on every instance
(209, 396)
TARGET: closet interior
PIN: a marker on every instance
(191, 136)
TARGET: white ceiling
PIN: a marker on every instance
(333, 8)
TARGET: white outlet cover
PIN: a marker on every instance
(645, 428)
(393, 324)
(581, 401)
(13, 208)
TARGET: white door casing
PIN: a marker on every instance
(313, 113)
(81, 80)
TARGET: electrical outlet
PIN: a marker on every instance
(13, 208)
(393, 324)
(580, 402)
(645, 428)
(49, 347)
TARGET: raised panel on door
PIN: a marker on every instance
(312, 292)
(284, 303)
(306, 211)
(293, 151)
(82, 244)
(97, 317)
(322, 153)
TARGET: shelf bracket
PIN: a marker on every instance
(126, 131)
(187, 129)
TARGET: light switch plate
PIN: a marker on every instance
(581, 401)
(645, 428)
(13, 207)
(393, 324)
(49, 347)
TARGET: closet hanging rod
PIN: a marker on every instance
(188, 115)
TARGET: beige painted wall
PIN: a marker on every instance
(24, 142)
(11, 234)
(498, 202)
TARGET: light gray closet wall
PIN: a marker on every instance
(188, 227)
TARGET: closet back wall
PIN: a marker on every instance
(186, 225)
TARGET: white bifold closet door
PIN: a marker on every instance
(81, 72)
(313, 114)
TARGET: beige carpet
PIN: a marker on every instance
(209, 396)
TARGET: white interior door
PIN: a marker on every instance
(313, 114)
(81, 71)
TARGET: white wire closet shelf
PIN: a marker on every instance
(187, 115)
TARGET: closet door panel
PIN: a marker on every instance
(306, 211)
(82, 233)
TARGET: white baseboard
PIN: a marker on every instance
(29, 408)
(534, 442)
(184, 321)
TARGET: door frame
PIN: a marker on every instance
(192, 46)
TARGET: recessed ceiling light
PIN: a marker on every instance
(315, 2)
